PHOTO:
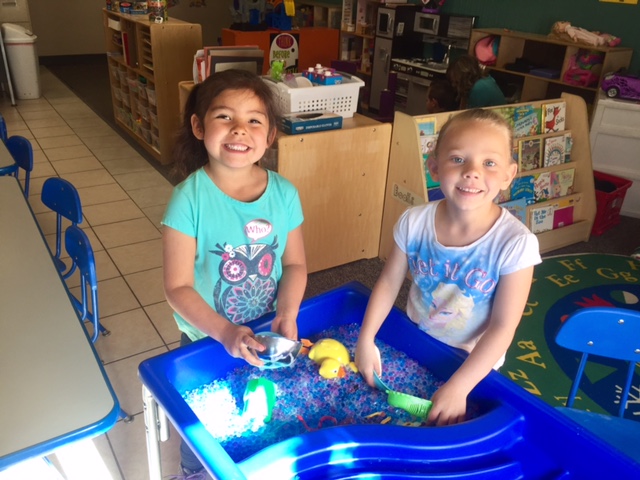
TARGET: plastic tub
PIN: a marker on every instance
(610, 192)
(516, 435)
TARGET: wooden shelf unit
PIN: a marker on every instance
(357, 34)
(406, 176)
(146, 62)
(547, 52)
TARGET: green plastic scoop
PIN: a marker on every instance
(416, 406)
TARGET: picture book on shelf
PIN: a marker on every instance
(427, 146)
(526, 121)
(542, 219)
(542, 187)
(506, 113)
(554, 149)
(518, 209)
(503, 196)
(522, 187)
(553, 116)
(563, 212)
(529, 154)
(568, 145)
(562, 182)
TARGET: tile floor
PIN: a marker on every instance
(123, 199)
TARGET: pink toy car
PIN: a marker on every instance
(621, 84)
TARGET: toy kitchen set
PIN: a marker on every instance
(412, 47)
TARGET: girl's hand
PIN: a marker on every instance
(449, 406)
(240, 342)
(367, 360)
(285, 326)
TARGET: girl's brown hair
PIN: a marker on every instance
(189, 153)
(463, 73)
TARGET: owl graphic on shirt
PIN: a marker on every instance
(245, 289)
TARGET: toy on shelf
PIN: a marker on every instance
(320, 75)
(566, 31)
(281, 16)
(332, 356)
(585, 68)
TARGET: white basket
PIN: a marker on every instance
(341, 99)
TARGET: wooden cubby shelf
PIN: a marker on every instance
(146, 62)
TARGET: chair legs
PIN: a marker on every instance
(126, 418)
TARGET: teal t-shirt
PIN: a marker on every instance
(485, 93)
(240, 245)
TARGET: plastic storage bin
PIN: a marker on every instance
(20, 45)
(341, 99)
(610, 192)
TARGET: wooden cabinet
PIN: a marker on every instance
(357, 34)
(552, 55)
(146, 62)
(311, 13)
(406, 185)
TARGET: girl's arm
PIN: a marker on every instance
(292, 285)
(382, 298)
(179, 253)
(450, 401)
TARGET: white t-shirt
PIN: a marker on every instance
(453, 287)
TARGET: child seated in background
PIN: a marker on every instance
(475, 87)
(441, 97)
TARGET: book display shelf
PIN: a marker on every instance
(146, 62)
(553, 192)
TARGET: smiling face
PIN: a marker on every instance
(473, 163)
(235, 129)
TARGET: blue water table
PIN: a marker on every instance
(514, 436)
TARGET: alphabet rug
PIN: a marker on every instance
(561, 285)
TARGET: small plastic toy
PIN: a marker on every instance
(332, 356)
(416, 406)
(259, 398)
(621, 84)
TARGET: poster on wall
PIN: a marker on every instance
(285, 47)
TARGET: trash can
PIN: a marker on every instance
(20, 46)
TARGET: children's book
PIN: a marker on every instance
(503, 196)
(553, 116)
(541, 219)
(564, 182)
(554, 149)
(568, 144)
(542, 187)
(522, 187)
(427, 146)
(563, 213)
(518, 209)
(526, 121)
(426, 126)
(529, 154)
(506, 113)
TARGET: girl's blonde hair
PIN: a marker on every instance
(488, 117)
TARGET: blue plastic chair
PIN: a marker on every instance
(607, 332)
(3, 129)
(22, 152)
(79, 248)
(62, 197)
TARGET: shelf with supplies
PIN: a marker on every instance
(146, 62)
(357, 33)
(564, 184)
(544, 67)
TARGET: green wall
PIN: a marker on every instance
(538, 16)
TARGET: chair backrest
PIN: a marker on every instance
(79, 248)
(22, 152)
(3, 129)
(62, 197)
(604, 331)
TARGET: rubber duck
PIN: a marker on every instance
(332, 356)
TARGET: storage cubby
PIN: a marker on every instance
(146, 62)
(406, 185)
(549, 53)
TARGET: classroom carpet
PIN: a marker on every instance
(563, 284)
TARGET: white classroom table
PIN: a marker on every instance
(6, 159)
(53, 388)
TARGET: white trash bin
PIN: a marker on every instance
(20, 45)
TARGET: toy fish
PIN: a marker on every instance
(332, 356)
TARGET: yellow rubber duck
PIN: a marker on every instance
(332, 356)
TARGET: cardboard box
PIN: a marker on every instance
(309, 122)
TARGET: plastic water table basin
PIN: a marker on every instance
(516, 435)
